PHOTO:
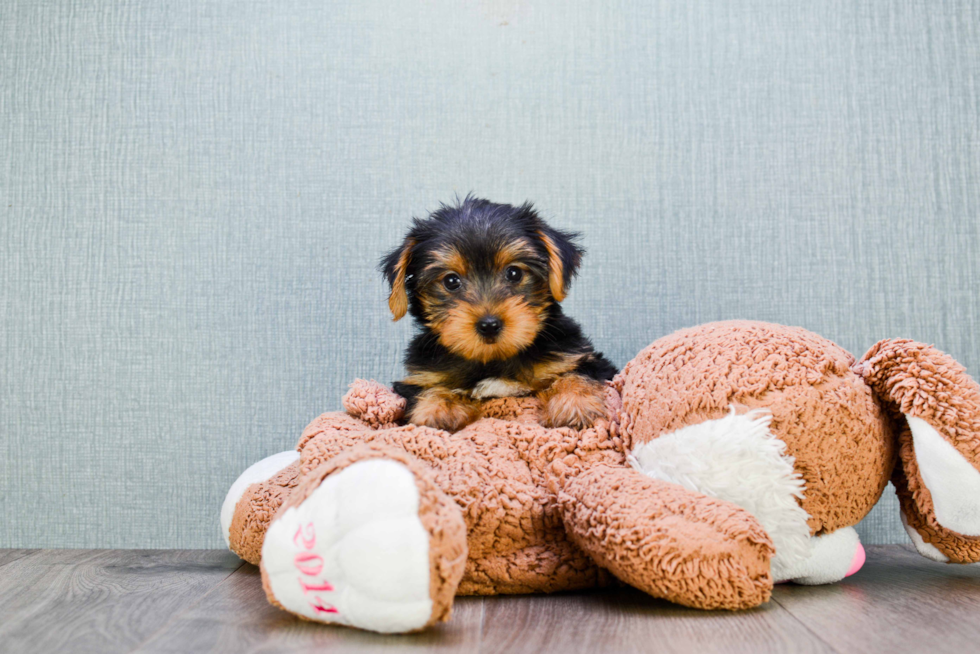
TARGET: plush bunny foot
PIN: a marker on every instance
(252, 501)
(371, 545)
(832, 557)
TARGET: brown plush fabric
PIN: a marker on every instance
(668, 541)
(255, 510)
(557, 509)
(334, 421)
(918, 380)
(522, 409)
(440, 516)
(828, 418)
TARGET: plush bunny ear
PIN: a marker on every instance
(935, 406)
(563, 259)
(394, 266)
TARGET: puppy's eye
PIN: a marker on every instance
(452, 282)
(513, 274)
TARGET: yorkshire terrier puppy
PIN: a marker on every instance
(483, 281)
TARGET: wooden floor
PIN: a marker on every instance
(209, 601)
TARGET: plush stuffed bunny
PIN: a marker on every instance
(735, 455)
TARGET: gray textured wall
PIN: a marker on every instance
(194, 195)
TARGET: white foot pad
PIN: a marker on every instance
(834, 557)
(354, 552)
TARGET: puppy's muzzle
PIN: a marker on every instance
(489, 327)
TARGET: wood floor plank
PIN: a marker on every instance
(899, 602)
(626, 620)
(9, 556)
(100, 600)
(187, 601)
(235, 617)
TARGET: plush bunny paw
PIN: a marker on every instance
(833, 557)
(364, 547)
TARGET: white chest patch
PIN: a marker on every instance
(497, 387)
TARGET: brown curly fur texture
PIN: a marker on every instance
(521, 409)
(255, 510)
(373, 403)
(828, 417)
(918, 380)
(667, 541)
(333, 421)
(440, 517)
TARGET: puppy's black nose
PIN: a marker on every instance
(489, 326)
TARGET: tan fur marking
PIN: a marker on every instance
(428, 302)
(441, 408)
(556, 270)
(458, 331)
(510, 253)
(573, 401)
(544, 373)
(426, 378)
(398, 299)
(450, 259)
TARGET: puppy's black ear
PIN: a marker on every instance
(394, 265)
(564, 257)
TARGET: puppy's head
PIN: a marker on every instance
(481, 275)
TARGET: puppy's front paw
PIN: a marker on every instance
(573, 401)
(441, 408)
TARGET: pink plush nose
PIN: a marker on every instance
(857, 562)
